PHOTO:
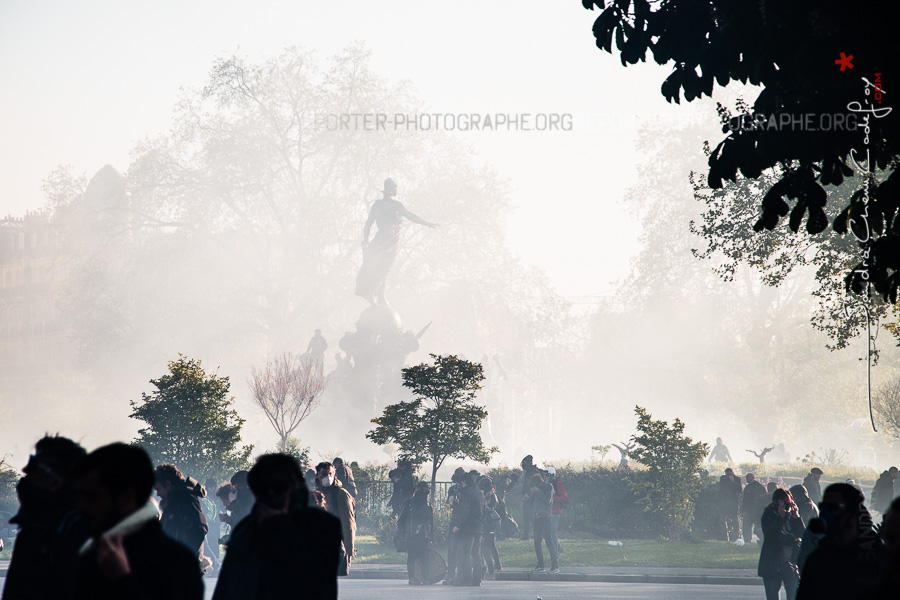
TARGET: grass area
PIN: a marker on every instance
(597, 553)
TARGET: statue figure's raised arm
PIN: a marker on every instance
(415, 218)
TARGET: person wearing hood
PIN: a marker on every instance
(339, 503)
(127, 555)
(50, 531)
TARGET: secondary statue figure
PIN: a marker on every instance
(379, 254)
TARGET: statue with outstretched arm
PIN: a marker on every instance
(380, 253)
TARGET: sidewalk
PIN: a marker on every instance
(643, 575)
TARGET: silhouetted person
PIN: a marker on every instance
(888, 586)
(720, 453)
(730, 504)
(380, 253)
(508, 526)
(416, 522)
(404, 485)
(243, 499)
(50, 530)
(851, 554)
(811, 483)
(226, 495)
(316, 349)
(345, 476)
(339, 503)
(808, 510)
(749, 500)
(492, 524)
(783, 527)
(181, 514)
(284, 549)
(211, 510)
(468, 522)
(883, 492)
(529, 470)
(452, 502)
(128, 555)
(541, 494)
(560, 501)
(761, 503)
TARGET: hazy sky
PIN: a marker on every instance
(82, 82)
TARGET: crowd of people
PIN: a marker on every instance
(815, 543)
(478, 518)
(89, 527)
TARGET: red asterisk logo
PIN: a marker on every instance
(844, 61)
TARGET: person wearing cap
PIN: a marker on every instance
(560, 501)
(811, 483)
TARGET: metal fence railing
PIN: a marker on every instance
(372, 497)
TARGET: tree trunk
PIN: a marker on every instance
(434, 468)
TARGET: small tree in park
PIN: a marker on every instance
(190, 422)
(668, 487)
(443, 421)
(287, 390)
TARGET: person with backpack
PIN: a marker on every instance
(560, 501)
(415, 526)
(492, 523)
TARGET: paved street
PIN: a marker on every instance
(365, 589)
(385, 590)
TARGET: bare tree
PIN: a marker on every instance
(886, 402)
(625, 452)
(762, 454)
(287, 390)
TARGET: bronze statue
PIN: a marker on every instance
(379, 255)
